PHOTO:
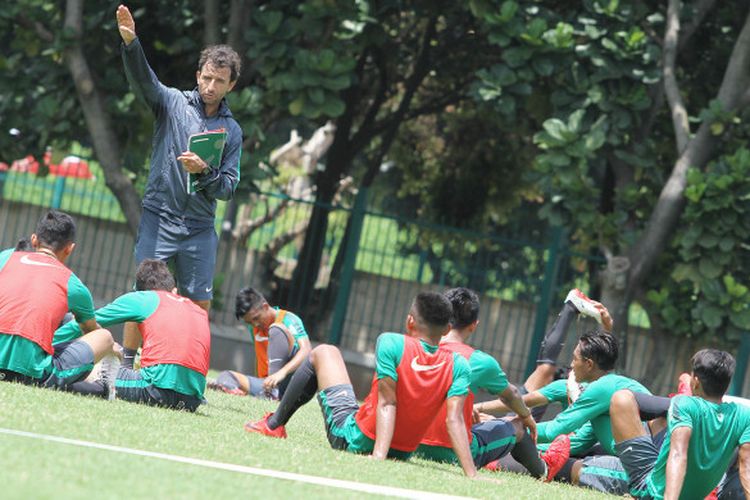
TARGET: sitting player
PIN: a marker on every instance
(281, 344)
(175, 335)
(36, 290)
(701, 437)
(413, 378)
(492, 439)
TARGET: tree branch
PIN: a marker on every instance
(663, 221)
(98, 119)
(702, 8)
(40, 30)
(671, 88)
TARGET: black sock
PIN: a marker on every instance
(564, 476)
(302, 387)
(526, 454)
(88, 388)
(554, 339)
(128, 357)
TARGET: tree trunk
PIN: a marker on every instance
(212, 25)
(98, 122)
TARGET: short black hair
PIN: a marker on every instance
(433, 309)
(600, 347)
(247, 299)
(55, 230)
(153, 274)
(465, 305)
(24, 245)
(221, 56)
(714, 369)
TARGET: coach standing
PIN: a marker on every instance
(176, 224)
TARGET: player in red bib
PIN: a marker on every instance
(413, 378)
(281, 344)
(176, 340)
(36, 290)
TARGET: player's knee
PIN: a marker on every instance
(621, 400)
(322, 351)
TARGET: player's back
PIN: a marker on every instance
(424, 378)
(176, 333)
(33, 295)
(717, 429)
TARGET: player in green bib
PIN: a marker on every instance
(701, 437)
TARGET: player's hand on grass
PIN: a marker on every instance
(192, 162)
(125, 24)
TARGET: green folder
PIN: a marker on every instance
(209, 146)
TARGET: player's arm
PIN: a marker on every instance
(498, 406)
(454, 421)
(385, 418)
(221, 183)
(291, 366)
(745, 468)
(677, 462)
(513, 400)
(590, 405)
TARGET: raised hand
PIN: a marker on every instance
(125, 24)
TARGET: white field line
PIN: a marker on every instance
(290, 476)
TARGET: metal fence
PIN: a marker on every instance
(522, 276)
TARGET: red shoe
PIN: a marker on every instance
(493, 466)
(261, 427)
(218, 387)
(556, 456)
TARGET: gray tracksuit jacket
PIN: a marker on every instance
(180, 114)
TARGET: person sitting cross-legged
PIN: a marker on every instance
(176, 340)
(412, 380)
(281, 344)
(36, 291)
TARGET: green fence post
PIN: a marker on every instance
(545, 296)
(735, 389)
(347, 270)
(57, 194)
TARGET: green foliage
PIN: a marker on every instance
(709, 279)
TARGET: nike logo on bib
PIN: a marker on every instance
(423, 368)
(28, 261)
(260, 338)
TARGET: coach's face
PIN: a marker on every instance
(214, 83)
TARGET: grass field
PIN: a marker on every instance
(33, 468)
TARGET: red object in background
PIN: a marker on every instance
(70, 166)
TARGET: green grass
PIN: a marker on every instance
(39, 469)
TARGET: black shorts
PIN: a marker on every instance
(130, 386)
(337, 403)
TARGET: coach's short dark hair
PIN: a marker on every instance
(247, 299)
(600, 347)
(221, 56)
(465, 304)
(433, 309)
(55, 230)
(153, 274)
(714, 369)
